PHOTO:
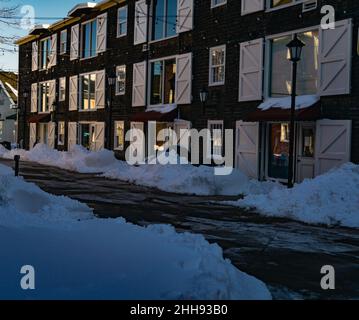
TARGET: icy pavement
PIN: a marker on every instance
(284, 254)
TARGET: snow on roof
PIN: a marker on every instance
(79, 8)
(38, 28)
(302, 102)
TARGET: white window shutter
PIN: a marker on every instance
(34, 97)
(53, 51)
(100, 89)
(140, 35)
(139, 84)
(333, 144)
(184, 79)
(335, 59)
(33, 135)
(250, 6)
(52, 93)
(35, 56)
(74, 94)
(101, 33)
(75, 42)
(100, 136)
(247, 148)
(51, 135)
(251, 71)
(184, 15)
(72, 135)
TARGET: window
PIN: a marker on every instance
(163, 82)
(122, 22)
(87, 93)
(217, 3)
(280, 3)
(216, 130)
(63, 42)
(89, 39)
(121, 80)
(45, 48)
(119, 142)
(217, 65)
(43, 133)
(44, 97)
(62, 89)
(61, 133)
(164, 19)
(281, 67)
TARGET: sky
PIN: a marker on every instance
(42, 9)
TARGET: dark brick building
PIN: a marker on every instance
(234, 50)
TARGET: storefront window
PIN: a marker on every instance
(308, 142)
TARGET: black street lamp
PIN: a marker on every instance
(203, 96)
(295, 48)
(111, 79)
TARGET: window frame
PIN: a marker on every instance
(119, 148)
(61, 143)
(218, 5)
(209, 124)
(210, 66)
(152, 15)
(82, 46)
(62, 79)
(149, 85)
(62, 52)
(118, 93)
(267, 64)
(80, 104)
(41, 55)
(283, 6)
(124, 8)
(39, 93)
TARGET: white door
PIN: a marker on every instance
(306, 152)
(333, 144)
(72, 135)
(99, 136)
(138, 144)
(51, 135)
(247, 144)
(33, 135)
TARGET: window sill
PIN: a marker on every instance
(218, 5)
(163, 39)
(216, 84)
(119, 94)
(88, 58)
(121, 36)
(284, 6)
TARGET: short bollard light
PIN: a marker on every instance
(17, 162)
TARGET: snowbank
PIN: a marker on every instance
(76, 256)
(302, 102)
(331, 199)
(184, 179)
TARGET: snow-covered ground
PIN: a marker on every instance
(77, 256)
(185, 179)
(331, 199)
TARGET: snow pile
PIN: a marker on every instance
(105, 259)
(184, 179)
(302, 102)
(331, 199)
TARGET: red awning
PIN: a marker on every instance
(39, 118)
(154, 116)
(277, 114)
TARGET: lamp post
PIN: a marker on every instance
(111, 79)
(295, 51)
(203, 96)
(25, 96)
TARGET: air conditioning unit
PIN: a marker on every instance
(310, 5)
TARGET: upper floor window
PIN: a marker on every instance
(217, 65)
(163, 82)
(63, 42)
(62, 89)
(44, 97)
(89, 39)
(216, 3)
(164, 19)
(281, 67)
(121, 80)
(122, 22)
(45, 53)
(87, 91)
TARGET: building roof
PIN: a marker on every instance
(9, 81)
(74, 15)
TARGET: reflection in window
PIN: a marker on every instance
(164, 19)
(88, 82)
(89, 39)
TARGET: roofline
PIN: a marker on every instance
(101, 6)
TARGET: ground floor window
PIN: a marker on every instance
(216, 130)
(119, 142)
(61, 133)
(87, 135)
(278, 147)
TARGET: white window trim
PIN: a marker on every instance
(115, 135)
(287, 5)
(61, 33)
(221, 83)
(118, 21)
(267, 59)
(81, 37)
(40, 53)
(118, 93)
(62, 79)
(216, 122)
(217, 5)
(154, 106)
(80, 109)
